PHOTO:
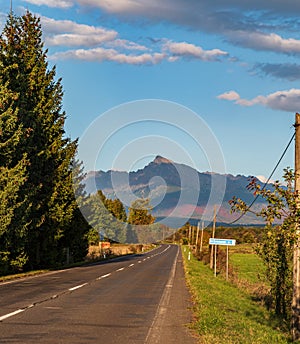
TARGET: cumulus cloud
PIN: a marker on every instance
(127, 45)
(52, 3)
(145, 6)
(101, 44)
(185, 49)
(266, 42)
(74, 34)
(121, 6)
(96, 43)
(287, 100)
(102, 54)
(244, 23)
(230, 95)
(247, 24)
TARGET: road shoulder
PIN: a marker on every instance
(174, 315)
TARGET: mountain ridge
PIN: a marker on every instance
(177, 190)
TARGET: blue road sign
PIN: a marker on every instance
(226, 242)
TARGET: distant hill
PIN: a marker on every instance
(177, 191)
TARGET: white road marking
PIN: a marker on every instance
(3, 317)
(77, 287)
(104, 276)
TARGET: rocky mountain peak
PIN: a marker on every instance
(161, 160)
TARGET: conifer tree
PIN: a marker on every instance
(12, 176)
(49, 154)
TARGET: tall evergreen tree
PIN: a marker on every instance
(12, 176)
(38, 104)
(75, 236)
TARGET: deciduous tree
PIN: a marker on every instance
(276, 247)
(140, 212)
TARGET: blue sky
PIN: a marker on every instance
(233, 63)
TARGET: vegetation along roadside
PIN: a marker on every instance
(226, 312)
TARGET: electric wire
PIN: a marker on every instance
(265, 184)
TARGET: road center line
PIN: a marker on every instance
(120, 269)
(77, 287)
(131, 265)
(104, 276)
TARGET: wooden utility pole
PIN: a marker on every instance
(201, 240)
(213, 247)
(296, 260)
(197, 235)
(193, 235)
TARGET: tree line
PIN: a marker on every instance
(41, 180)
(109, 218)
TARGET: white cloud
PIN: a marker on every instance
(239, 22)
(102, 54)
(74, 34)
(190, 50)
(230, 95)
(128, 45)
(266, 42)
(119, 6)
(106, 45)
(52, 3)
(287, 100)
(75, 40)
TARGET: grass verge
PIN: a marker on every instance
(226, 314)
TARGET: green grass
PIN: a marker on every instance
(248, 266)
(225, 313)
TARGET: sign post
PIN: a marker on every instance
(222, 242)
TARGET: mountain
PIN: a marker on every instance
(178, 192)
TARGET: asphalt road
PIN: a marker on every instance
(136, 299)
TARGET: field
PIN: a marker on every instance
(226, 311)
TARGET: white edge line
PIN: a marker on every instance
(11, 314)
(77, 287)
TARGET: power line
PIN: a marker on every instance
(266, 183)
